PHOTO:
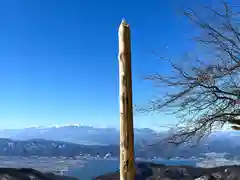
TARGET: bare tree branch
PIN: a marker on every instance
(205, 92)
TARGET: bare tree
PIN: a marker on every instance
(203, 95)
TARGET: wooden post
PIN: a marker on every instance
(127, 169)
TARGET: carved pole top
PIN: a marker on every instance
(124, 22)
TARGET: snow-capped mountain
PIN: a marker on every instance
(76, 133)
(58, 126)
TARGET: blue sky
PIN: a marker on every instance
(58, 58)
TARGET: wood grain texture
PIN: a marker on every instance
(127, 170)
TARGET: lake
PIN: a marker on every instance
(95, 168)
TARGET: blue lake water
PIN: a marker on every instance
(95, 168)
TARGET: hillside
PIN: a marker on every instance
(151, 171)
(29, 174)
(42, 147)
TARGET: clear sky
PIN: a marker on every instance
(58, 58)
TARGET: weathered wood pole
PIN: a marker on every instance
(127, 169)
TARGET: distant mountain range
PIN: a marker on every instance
(73, 140)
(75, 133)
